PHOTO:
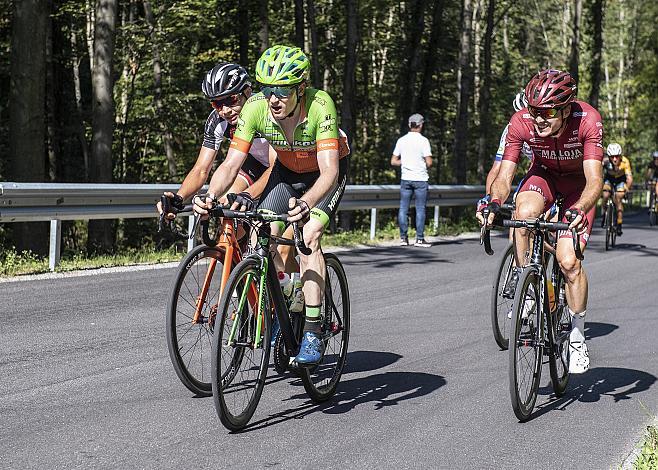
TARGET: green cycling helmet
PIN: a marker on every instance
(282, 65)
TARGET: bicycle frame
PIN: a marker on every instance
(227, 241)
(267, 274)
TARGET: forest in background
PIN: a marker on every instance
(109, 90)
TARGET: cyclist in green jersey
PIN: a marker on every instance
(300, 123)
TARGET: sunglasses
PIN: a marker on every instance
(544, 113)
(229, 101)
(278, 91)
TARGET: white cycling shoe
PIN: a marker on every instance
(578, 358)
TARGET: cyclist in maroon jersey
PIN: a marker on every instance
(565, 136)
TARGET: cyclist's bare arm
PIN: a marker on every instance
(501, 186)
(593, 185)
(328, 163)
(226, 173)
(196, 177)
(491, 176)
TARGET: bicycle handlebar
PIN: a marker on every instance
(219, 211)
(485, 238)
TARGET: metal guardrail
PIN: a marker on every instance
(54, 202)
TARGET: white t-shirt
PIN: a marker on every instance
(412, 149)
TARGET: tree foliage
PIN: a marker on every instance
(406, 60)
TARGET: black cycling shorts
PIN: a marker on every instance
(280, 189)
(251, 170)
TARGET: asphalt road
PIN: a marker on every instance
(86, 382)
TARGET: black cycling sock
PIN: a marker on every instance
(313, 323)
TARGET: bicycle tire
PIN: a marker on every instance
(320, 382)
(652, 208)
(233, 407)
(500, 306)
(190, 345)
(559, 331)
(526, 333)
(608, 228)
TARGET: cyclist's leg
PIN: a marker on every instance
(576, 279)
(274, 200)
(313, 269)
(620, 191)
(535, 196)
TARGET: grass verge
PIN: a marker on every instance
(648, 457)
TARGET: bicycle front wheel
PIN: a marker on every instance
(241, 345)
(321, 381)
(608, 229)
(502, 306)
(191, 314)
(526, 349)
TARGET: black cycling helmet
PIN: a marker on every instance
(225, 79)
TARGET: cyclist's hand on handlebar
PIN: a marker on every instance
(299, 210)
(175, 205)
(202, 204)
(243, 202)
(577, 218)
(491, 209)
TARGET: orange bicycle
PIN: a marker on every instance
(192, 307)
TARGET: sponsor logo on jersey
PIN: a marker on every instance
(575, 132)
(327, 124)
(562, 154)
(599, 124)
(572, 145)
(326, 145)
(580, 114)
(339, 191)
(573, 139)
(534, 187)
(536, 140)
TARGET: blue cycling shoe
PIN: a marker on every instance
(311, 350)
(275, 330)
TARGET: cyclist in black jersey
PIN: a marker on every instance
(228, 87)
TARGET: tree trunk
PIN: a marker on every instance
(575, 40)
(316, 75)
(101, 232)
(157, 92)
(243, 31)
(464, 82)
(299, 23)
(485, 94)
(595, 67)
(82, 137)
(408, 95)
(27, 111)
(264, 31)
(428, 83)
(348, 115)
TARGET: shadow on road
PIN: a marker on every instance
(597, 329)
(382, 390)
(363, 361)
(391, 257)
(615, 382)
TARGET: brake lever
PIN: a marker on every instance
(299, 244)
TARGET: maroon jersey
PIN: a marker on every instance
(582, 139)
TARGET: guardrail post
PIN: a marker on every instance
(191, 242)
(373, 222)
(436, 219)
(55, 243)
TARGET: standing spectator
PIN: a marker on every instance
(413, 154)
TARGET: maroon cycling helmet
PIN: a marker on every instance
(551, 89)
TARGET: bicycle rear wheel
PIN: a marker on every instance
(652, 209)
(501, 306)
(525, 352)
(240, 353)
(321, 381)
(559, 331)
(189, 342)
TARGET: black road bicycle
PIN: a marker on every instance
(540, 318)
(610, 224)
(241, 341)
